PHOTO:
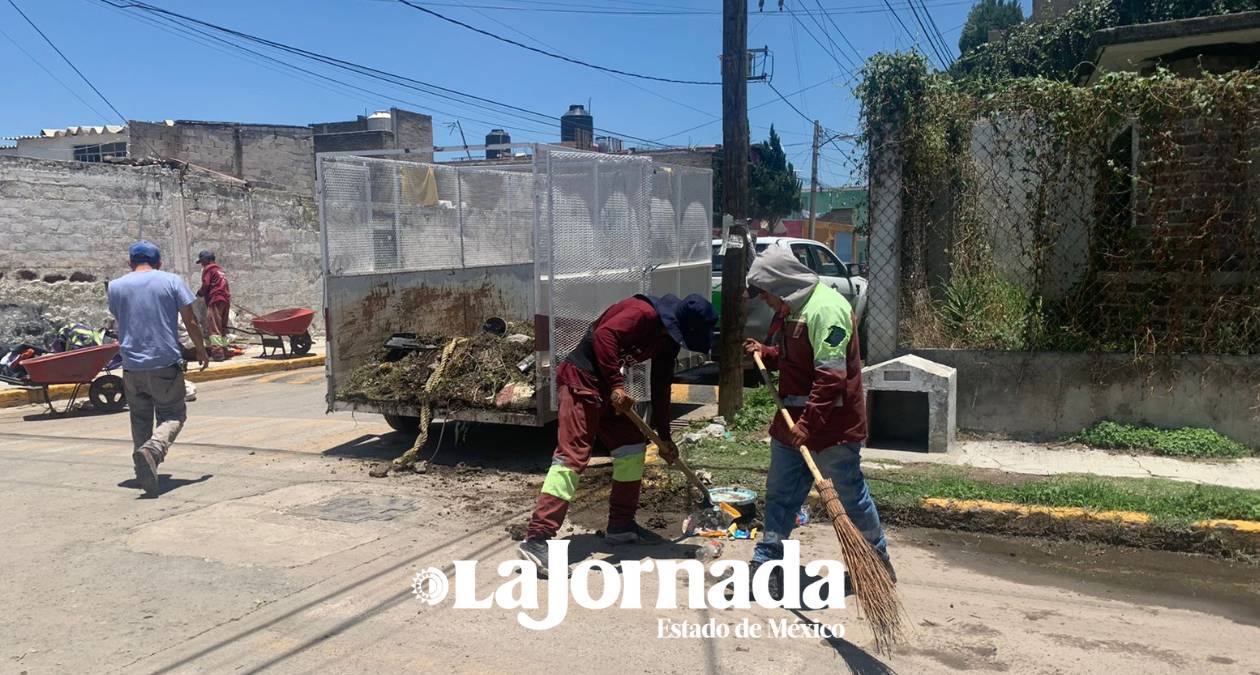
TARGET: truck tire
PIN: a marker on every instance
(403, 424)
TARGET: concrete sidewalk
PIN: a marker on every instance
(1047, 460)
(240, 366)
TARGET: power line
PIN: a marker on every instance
(928, 35)
(940, 39)
(595, 10)
(838, 31)
(359, 69)
(813, 37)
(750, 108)
(790, 104)
(68, 62)
(827, 34)
(903, 25)
(319, 79)
(619, 78)
(544, 52)
(53, 75)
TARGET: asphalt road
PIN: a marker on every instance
(271, 549)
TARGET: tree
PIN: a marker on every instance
(985, 16)
(774, 189)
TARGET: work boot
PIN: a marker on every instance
(633, 533)
(146, 470)
(535, 551)
(776, 580)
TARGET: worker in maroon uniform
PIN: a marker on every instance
(214, 288)
(590, 388)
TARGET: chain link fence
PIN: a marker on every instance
(1013, 230)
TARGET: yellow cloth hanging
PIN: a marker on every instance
(419, 186)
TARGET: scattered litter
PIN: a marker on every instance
(715, 430)
(421, 467)
(516, 531)
(705, 477)
(693, 437)
(379, 470)
(741, 648)
(709, 550)
(719, 420)
(514, 396)
(657, 523)
(802, 517)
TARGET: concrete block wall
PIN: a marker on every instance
(67, 226)
(277, 157)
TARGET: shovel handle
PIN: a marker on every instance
(787, 417)
(651, 435)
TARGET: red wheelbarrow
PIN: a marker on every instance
(78, 367)
(293, 323)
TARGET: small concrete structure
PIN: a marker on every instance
(911, 404)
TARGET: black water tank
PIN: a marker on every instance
(578, 127)
(498, 137)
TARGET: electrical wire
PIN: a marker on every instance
(619, 78)
(544, 52)
(428, 88)
(751, 108)
(69, 62)
(53, 75)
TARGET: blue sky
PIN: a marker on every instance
(153, 73)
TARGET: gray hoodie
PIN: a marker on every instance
(779, 273)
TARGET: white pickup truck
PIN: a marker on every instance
(814, 255)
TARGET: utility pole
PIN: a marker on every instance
(735, 198)
(813, 180)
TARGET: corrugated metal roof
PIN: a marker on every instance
(72, 131)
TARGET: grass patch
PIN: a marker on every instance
(1184, 442)
(745, 460)
(1169, 501)
(757, 411)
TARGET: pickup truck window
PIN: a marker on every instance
(828, 264)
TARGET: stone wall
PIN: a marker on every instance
(67, 225)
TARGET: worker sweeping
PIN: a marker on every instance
(214, 288)
(820, 382)
(590, 388)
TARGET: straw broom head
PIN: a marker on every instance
(872, 584)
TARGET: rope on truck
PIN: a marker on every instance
(426, 412)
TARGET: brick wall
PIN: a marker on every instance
(67, 226)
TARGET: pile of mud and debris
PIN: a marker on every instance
(491, 369)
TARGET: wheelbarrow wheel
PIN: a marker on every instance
(106, 393)
(300, 344)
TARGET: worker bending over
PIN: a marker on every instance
(820, 382)
(590, 388)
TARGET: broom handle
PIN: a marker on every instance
(787, 417)
(655, 438)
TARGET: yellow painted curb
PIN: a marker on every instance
(1246, 526)
(14, 397)
(1059, 512)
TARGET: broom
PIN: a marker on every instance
(872, 584)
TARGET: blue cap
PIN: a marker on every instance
(205, 257)
(688, 321)
(144, 252)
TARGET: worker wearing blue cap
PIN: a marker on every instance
(148, 304)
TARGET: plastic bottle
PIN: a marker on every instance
(709, 550)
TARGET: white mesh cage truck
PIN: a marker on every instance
(437, 249)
